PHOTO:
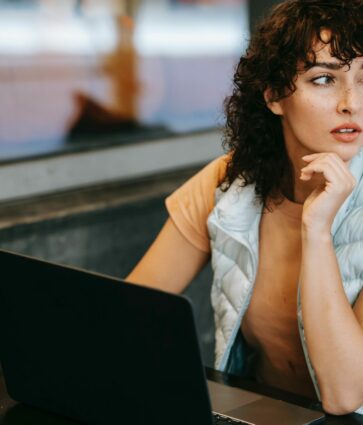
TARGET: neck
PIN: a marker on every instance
(297, 190)
(302, 189)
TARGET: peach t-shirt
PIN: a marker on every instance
(270, 323)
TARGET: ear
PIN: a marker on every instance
(274, 106)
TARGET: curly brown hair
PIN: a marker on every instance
(286, 38)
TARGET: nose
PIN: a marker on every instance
(349, 101)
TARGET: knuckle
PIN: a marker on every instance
(332, 155)
(349, 186)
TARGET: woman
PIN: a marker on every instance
(281, 215)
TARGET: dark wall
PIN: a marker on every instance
(259, 9)
(110, 240)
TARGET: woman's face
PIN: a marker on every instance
(325, 113)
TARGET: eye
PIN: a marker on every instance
(323, 80)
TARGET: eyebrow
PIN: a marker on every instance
(330, 65)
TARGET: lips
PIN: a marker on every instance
(347, 132)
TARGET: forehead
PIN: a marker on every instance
(322, 48)
(321, 43)
(322, 51)
(323, 55)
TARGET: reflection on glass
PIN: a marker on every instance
(79, 72)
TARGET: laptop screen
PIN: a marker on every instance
(97, 349)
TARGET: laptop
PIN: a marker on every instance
(102, 351)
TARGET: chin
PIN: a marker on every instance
(347, 151)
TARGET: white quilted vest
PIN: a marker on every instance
(234, 231)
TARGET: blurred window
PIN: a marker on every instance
(78, 74)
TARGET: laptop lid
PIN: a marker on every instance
(97, 349)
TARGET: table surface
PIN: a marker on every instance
(12, 413)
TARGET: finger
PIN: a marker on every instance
(313, 156)
(335, 160)
(333, 174)
(331, 171)
(341, 164)
(321, 155)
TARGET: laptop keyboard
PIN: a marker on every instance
(224, 420)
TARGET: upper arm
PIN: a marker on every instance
(190, 205)
(182, 247)
(170, 263)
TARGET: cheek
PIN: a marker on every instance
(311, 104)
(308, 113)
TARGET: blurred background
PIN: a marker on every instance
(100, 71)
(106, 107)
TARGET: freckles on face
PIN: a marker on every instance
(327, 96)
(305, 119)
(309, 110)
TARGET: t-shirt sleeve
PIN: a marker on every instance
(190, 205)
